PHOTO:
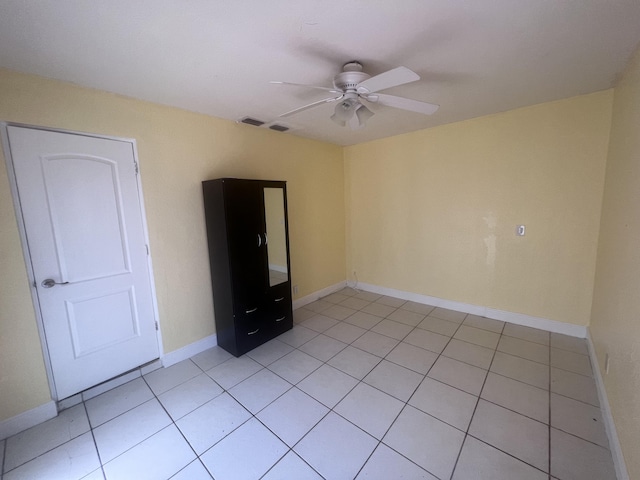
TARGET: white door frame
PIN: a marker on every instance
(25, 247)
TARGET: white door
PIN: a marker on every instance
(84, 228)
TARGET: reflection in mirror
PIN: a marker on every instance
(276, 245)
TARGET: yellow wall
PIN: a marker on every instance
(615, 320)
(177, 150)
(434, 212)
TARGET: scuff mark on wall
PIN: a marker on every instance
(491, 220)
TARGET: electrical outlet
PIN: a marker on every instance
(607, 362)
(295, 289)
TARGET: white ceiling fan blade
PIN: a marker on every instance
(388, 79)
(311, 105)
(403, 103)
(332, 90)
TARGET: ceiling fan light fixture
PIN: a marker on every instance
(344, 111)
(363, 114)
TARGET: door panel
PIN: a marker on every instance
(101, 321)
(83, 222)
(96, 193)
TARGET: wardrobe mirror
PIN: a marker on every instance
(276, 243)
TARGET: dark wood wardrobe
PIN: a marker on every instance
(248, 236)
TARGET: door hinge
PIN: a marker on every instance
(147, 247)
(35, 285)
(156, 326)
(135, 164)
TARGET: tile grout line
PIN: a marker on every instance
(47, 451)
(484, 399)
(580, 438)
(535, 386)
(290, 449)
(540, 363)
(506, 453)
(466, 433)
(173, 422)
(95, 444)
(427, 374)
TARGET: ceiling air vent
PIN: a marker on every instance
(278, 128)
(251, 121)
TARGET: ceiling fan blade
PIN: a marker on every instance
(388, 79)
(403, 103)
(311, 105)
(332, 90)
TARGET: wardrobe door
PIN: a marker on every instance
(244, 219)
(278, 297)
(243, 206)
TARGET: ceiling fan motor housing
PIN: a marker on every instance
(350, 76)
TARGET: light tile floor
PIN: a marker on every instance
(364, 386)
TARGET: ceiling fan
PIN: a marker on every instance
(352, 85)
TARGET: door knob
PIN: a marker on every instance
(50, 282)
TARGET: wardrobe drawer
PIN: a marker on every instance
(250, 334)
(278, 297)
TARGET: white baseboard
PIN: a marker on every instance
(607, 416)
(27, 419)
(312, 297)
(510, 317)
(554, 326)
(189, 351)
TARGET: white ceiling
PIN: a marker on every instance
(216, 57)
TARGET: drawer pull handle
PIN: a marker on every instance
(279, 299)
(254, 332)
(280, 319)
(251, 311)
